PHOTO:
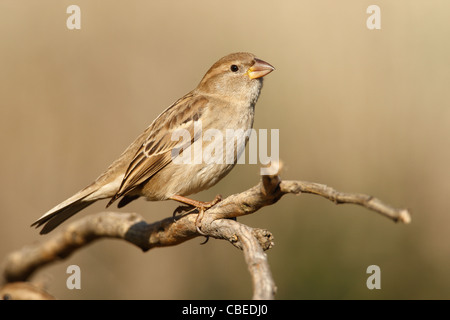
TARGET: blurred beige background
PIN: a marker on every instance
(359, 110)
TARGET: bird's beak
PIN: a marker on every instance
(259, 69)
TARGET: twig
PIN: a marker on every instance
(369, 202)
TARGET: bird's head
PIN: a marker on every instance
(236, 75)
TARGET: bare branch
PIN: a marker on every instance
(167, 232)
(369, 202)
(23, 291)
(252, 242)
(132, 228)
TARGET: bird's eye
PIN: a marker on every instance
(234, 68)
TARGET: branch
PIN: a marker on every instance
(369, 202)
(253, 242)
(216, 223)
(23, 291)
(130, 227)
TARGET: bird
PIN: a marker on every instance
(224, 99)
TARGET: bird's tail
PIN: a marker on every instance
(65, 209)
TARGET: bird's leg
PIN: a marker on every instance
(199, 205)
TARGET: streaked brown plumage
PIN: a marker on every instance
(224, 99)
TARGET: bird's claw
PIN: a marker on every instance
(185, 209)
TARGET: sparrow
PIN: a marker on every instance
(224, 99)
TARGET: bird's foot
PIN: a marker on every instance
(193, 205)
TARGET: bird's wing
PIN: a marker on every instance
(156, 152)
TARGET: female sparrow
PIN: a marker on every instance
(224, 99)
